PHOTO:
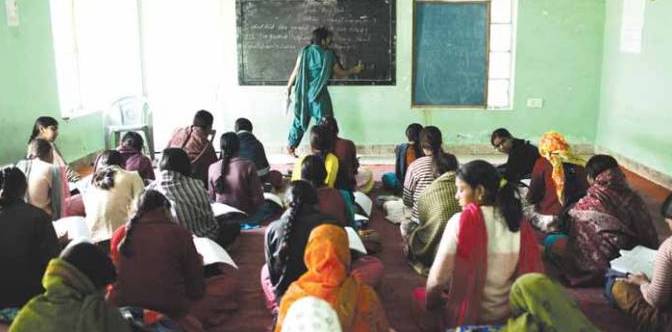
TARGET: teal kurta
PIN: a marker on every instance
(311, 97)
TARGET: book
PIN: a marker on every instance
(355, 241)
(73, 227)
(220, 209)
(212, 252)
(639, 259)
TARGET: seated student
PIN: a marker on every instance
(313, 312)
(404, 155)
(74, 298)
(112, 197)
(483, 249)
(27, 242)
(331, 201)
(234, 181)
(522, 155)
(189, 198)
(611, 217)
(558, 180)
(195, 141)
(436, 205)
(47, 185)
(346, 152)
(251, 148)
(46, 128)
(132, 157)
(649, 301)
(155, 274)
(423, 171)
(321, 144)
(328, 277)
(286, 239)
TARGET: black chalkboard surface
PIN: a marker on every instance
(450, 53)
(272, 32)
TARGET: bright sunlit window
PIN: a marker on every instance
(97, 53)
(502, 32)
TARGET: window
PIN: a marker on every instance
(502, 32)
(97, 53)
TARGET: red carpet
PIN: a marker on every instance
(399, 279)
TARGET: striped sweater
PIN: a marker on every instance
(658, 293)
(419, 176)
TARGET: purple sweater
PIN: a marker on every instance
(243, 188)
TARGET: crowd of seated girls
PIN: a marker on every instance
(467, 233)
(583, 213)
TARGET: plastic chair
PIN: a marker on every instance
(131, 113)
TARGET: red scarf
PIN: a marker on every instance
(463, 302)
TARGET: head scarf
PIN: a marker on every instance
(327, 257)
(311, 314)
(539, 304)
(557, 151)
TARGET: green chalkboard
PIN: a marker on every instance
(450, 53)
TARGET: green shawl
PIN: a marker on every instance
(70, 303)
(436, 205)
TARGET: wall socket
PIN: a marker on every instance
(535, 103)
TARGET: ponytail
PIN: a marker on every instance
(431, 139)
(149, 201)
(103, 177)
(301, 193)
(508, 202)
(503, 195)
(230, 145)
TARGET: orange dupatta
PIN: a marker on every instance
(327, 257)
(463, 302)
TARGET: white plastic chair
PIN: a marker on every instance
(130, 113)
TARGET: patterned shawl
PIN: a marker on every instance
(463, 302)
(609, 218)
(557, 151)
(327, 258)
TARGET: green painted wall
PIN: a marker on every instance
(636, 118)
(28, 87)
(559, 54)
(559, 48)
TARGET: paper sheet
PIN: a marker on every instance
(639, 259)
(74, 227)
(355, 241)
(219, 209)
(212, 252)
(364, 202)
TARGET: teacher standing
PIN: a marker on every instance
(315, 65)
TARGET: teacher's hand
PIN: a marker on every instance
(637, 279)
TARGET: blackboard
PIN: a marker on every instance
(272, 32)
(450, 54)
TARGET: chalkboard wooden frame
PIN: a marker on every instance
(244, 81)
(483, 106)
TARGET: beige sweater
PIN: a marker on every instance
(107, 210)
(503, 251)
